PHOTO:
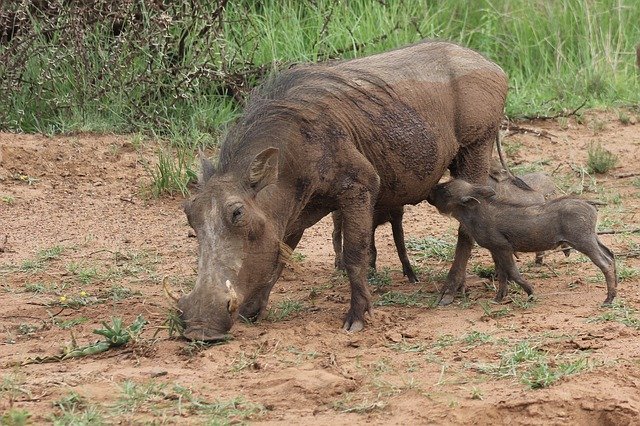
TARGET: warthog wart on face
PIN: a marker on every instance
(505, 228)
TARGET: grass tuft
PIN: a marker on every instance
(600, 160)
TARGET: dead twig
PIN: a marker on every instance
(513, 129)
(626, 175)
(553, 117)
(619, 231)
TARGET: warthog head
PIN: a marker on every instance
(240, 251)
(449, 196)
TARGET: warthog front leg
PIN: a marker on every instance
(458, 271)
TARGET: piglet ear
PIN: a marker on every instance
(481, 191)
(467, 200)
(264, 169)
(207, 168)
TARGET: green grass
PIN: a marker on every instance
(418, 298)
(600, 160)
(533, 366)
(432, 248)
(284, 309)
(182, 76)
(15, 417)
(380, 279)
(619, 312)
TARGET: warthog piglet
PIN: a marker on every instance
(505, 228)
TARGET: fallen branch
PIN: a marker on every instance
(618, 231)
(626, 175)
(513, 129)
(552, 117)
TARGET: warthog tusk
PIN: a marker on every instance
(233, 302)
(165, 286)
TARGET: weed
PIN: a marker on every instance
(475, 338)
(522, 301)
(119, 292)
(407, 347)
(296, 256)
(597, 126)
(599, 159)
(483, 271)
(380, 279)
(512, 149)
(246, 361)
(541, 375)
(432, 248)
(7, 199)
(26, 329)
(284, 309)
(37, 288)
(444, 340)
(525, 168)
(134, 395)
(624, 117)
(15, 417)
(74, 411)
(85, 274)
(10, 388)
(626, 273)
(489, 312)
(619, 312)
(636, 182)
(347, 405)
(418, 298)
(67, 324)
(476, 393)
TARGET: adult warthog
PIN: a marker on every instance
(377, 131)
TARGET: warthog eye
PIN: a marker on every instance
(237, 214)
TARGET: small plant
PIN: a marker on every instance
(296, 256)
(37, 288)
(347, 405)
(119, 292)
(67, 324)
(418, 298)
(476, 393)
(7, 199)
(624, 117)
(522, 301)
(489, 312)
(432, 248)
(619, 312)
(284, 309)
(15, 417)
(475, 338)
(600, 160)
(84, 274)
(380, 279)
(134, 395)
(245, 361)
(484, 271)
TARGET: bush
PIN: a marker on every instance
(600, 160)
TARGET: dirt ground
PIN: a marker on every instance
(81, 242)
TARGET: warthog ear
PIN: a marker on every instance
(207, 168)
(264, 169)
(481, 191)
(468, 200)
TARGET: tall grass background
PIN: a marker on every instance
(181, 70)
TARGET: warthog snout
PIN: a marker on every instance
(208, 320)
